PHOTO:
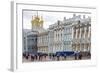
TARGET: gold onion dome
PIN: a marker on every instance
(37, 21)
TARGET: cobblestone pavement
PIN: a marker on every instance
(53, 59)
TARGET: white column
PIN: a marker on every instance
(85, 32)
(76, 33)
(73, 30)
(80, 33)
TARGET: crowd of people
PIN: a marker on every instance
(54, 57)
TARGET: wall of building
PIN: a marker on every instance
(30, 41)
(42, 42)
(82, 35)
(61, 36)
(73, 34)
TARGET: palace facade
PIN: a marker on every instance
(30, 41)
(73, 34)
(81, 34)
(42, 42)
(60, 37)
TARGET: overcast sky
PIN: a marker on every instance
(48, 17)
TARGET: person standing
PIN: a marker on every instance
(75, 56)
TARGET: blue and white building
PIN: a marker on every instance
(60, 36)
(30, 41)
(73, 34)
